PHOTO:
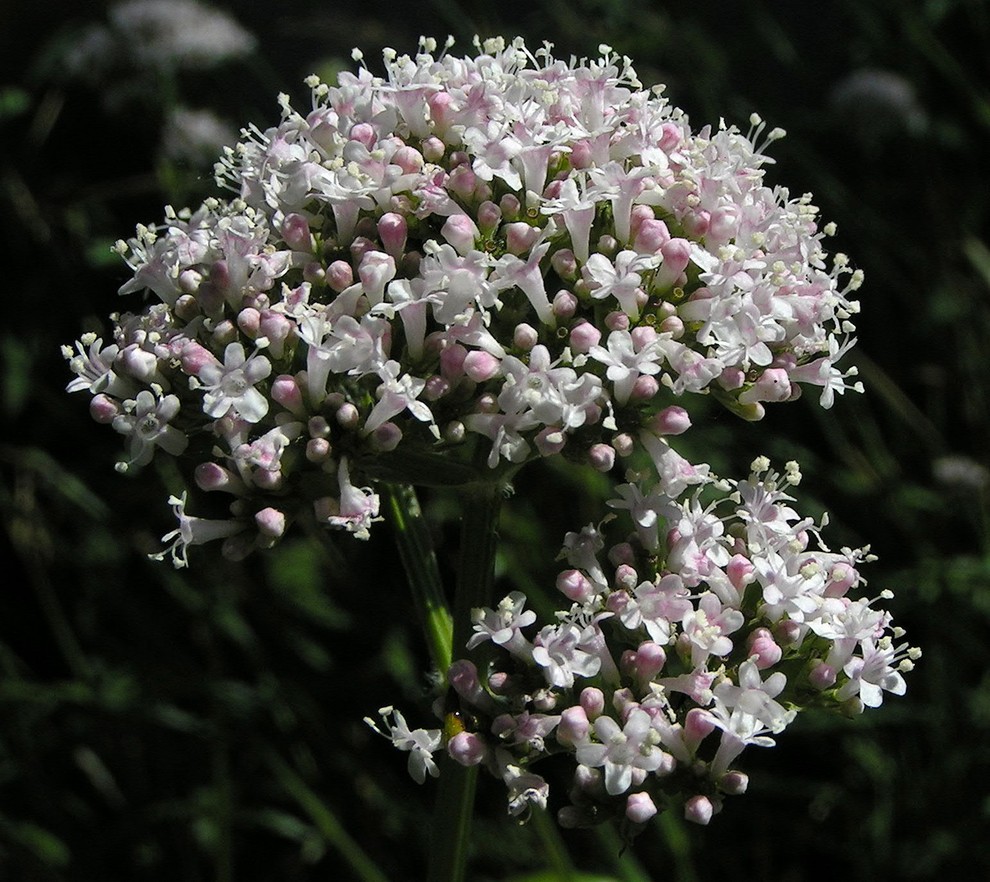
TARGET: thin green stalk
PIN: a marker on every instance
(475, 578)
(553, 845)
(325, 821)
(412, 536)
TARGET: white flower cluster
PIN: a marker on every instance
(686, 642)
(463, 265)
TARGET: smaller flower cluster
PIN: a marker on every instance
(696, 636)
(464, 265)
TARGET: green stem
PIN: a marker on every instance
(553, 845)
(475, 578)
(325, 821)
(412, 536)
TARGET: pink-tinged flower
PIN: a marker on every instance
(355, 510)
(874, 672)
(421, 744)
(559, 650)
(503, 625)
(756, 696)
(145, 422)
(621, 279)
(622, 750)
(706, 629)
(232, 386)
(193, 531)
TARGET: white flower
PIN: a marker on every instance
(420, 743)
(231, 387)
(621, 750)
(145, 422)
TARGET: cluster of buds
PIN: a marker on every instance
(461, 266)
(683, 644)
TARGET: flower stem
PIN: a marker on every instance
(412, 536)
(475, 578)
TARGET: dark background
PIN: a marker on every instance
(206, 724)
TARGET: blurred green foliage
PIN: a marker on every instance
(206, 724)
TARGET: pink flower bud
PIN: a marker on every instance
(821, 675)
(286, 391)
(640, 807)
(601, 457)
(698, 724)
(267, 480)
(363, 133)
(788, 633)
(622, 553)
(573, 727)
(460, 232)
(772, 385)
(467, 748)
(295, 231)
(386, 437)
(224, 332)
(608, 245)
(314, 273)
(317, 450)
(623, 444)
(731, 378)
(525, 337)
(649, 661)
(617, 321)
(520, 237)
(392, 230)
(103, 409)
(574, 585)
(581, 154)
(249, 321)
(462, 181)
(623, 701)
(433, 149)
(462, 676)
(696, 224)
(436, 387)
(762, 645)
(637, 215)
(583, 336)
(676, 256)
(699, 810)
(510, 206)
(409, 159)
(673, 420)
(360, 246)
(592, 699)
(454, 432)
(674, 326)
(348, 416)
(644, 388)
(209, 477)
(564, 263)
(489, 215)
(565, 304)
(733, 783)
(270, 522)
(740, 571)
(194, 357)
(190, 280)
(651, 236)
(480, 365)
(340, 275)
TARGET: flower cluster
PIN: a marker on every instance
(462, 265)
(683, 644)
